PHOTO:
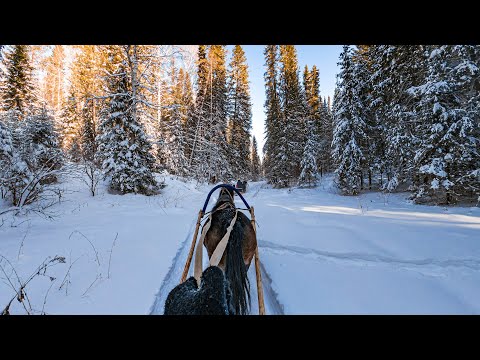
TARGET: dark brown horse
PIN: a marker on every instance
(239, 251)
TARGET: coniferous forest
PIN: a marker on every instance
(402, 118)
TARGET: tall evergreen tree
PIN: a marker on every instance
(292, 102)
(239, 113)
(188, 112)
(448, 152)
(318, 114)
(308, 165)
(274, 122)
(17, 89)
(255, 161)
(41, 148)
(197, 145)
(88, 74)
(349, 132)
(395, 69)
(123, 147)
(55, 78)
(70, 129)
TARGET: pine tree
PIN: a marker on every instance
(187, 113)
(71, 128)
(274, 122)
(317, 113)
(309, 170)
(123, 148)
(6, 157)
(448, 120)
(88, 74)
(349, 131)
(14, 172)
(218, 154)
(197, 145)
(55, 78)
(395, 69)
(41, 149)
(292, 140)
(17, 89)
(255, 161)
(363, 92)
(173, 129)
(239, 113)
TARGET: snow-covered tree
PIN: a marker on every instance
(239, 113)
(255, 166)
(309, 170)
(124, 150)
(29, 156)
(173, 116)
(394, 70)
(349, 131)
(292, 139)
(41, 149)
(54, 88)
(17, 87)
(448, 152)
(70, 128)
(274, 117)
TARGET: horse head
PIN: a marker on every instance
(226, 196)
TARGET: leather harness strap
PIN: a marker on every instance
(219, 250)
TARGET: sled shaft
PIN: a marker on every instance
(192, 248)
(261, 303)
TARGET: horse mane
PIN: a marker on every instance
(235, 269)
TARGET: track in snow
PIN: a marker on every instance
(432, 267)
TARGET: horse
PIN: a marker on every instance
(239, 252)
(223, 289)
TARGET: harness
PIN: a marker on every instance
(222, 245)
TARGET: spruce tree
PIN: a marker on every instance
(448, 125)
(17, 88)
(349, 131)
(188, 113)
(292, 139)
(123, 147)
(274, 118)
(316, 113)
(255, 161)
(71, 128)
(239, 113)
(41, 150)
(197, 144)
(308, 165)
(55, 78)
(218, 154)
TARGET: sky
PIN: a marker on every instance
(325, 57)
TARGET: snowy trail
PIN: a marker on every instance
(174, 274)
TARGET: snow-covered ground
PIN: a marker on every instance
(321, 253)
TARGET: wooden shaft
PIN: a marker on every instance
(192, 248)
(261, 303)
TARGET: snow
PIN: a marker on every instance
(321, 253)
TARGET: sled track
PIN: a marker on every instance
(173, 276)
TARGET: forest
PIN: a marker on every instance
(403, 118)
